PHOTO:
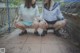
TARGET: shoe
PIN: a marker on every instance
(36, 33)
(23, 32)
(56, 32)
(44, 33)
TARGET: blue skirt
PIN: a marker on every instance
(27, 23)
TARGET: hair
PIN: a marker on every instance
(47, 5)
(28, 4)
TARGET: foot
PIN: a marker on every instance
(36, 33)
(44, 33)
(57, 33)
(23, 32)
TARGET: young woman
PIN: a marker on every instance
(28, 14)
(52, 17)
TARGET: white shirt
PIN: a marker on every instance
(52, 15)
(28, 14)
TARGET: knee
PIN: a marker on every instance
(17, 25)
(36, 24)
(60, 24)
(43, 25)
(64, 22)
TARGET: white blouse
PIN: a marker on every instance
(28, 14)
(52, 15)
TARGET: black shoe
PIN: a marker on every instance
(56, 32)
(44, 33)
(23, 32)
(36, 33)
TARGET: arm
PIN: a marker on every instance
(59, 14)
(37, 14)
(41, 18)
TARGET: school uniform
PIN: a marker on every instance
(28, 15)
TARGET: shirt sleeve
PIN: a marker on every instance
(59, 13)
(37, 15)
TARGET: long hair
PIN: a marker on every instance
(47, 5)
(28, 4)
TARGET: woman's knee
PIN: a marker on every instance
(60, 24)
(64, 22)
(43, 25)
(19, 25)
(35, 24)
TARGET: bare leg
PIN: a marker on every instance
(58, 25)
(35, 26)
(22, 27)
(43, 26)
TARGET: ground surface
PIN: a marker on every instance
(31, 43)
